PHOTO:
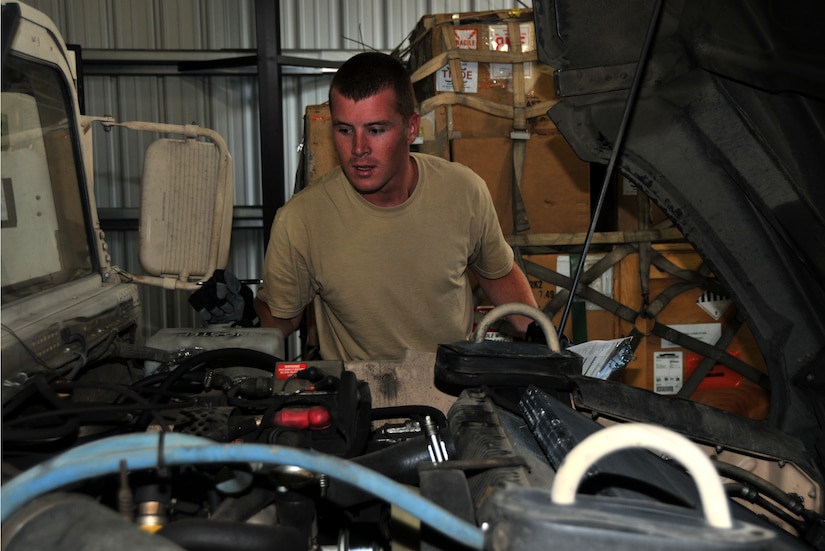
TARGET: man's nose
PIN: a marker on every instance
(360, 143)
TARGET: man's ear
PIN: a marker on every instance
(414, 125)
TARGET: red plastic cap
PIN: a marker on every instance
(313, 418)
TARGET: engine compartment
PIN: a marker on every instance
(213, 451)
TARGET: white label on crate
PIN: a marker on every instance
(466, 39)
(667, 372)
(500, 42)
(708, 333)
(603, 284)
(469, 70)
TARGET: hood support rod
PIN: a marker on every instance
(614, 154)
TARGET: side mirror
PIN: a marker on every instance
(186, 206)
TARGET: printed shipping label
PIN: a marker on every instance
(465, 39)
(469, 71)
(500, 42)
(668, 368)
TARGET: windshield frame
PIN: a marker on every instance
(69, 213)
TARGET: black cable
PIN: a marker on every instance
(142, 387)
(614, 154)
(747, 493)
(122, 390)
(66, 428)
(23, 394)
(789, 502)
(147, 385)
(103, 408)
(238, 356)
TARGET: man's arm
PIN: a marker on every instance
(513, 287)
(287, 326)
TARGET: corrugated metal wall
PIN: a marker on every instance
(226, 101)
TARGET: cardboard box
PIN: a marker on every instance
(555, 185)
(503, 86)
(319, 150)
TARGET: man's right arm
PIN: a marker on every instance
(286, 325)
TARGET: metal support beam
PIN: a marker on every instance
(270, 92)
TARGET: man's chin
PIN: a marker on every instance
(365, 187)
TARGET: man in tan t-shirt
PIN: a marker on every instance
(383, 244)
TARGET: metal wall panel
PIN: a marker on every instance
(365, 24)
(153, 24)
(230, 24)
(227, 103)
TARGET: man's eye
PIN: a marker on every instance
(376, 131)
(343, 130)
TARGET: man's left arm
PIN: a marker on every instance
(512, 287)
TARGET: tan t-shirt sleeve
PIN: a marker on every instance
(492, 256)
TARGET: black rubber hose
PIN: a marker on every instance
(238, 356)
(398, 462)
(221, 535)
(242, 507)
(760, 485)
(22, 396)
(747, 493)
(68, 427)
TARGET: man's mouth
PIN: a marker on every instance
(363, 170)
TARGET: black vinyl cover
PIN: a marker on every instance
(467, 364)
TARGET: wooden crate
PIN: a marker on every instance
(503, 84)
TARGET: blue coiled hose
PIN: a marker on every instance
(159, 450)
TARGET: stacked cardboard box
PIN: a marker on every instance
(494, 118)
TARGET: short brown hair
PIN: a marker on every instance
(368, 73)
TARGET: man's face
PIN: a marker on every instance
(373, 144)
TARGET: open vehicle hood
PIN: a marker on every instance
(727, 137)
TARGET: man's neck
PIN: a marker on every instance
(399, 194)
